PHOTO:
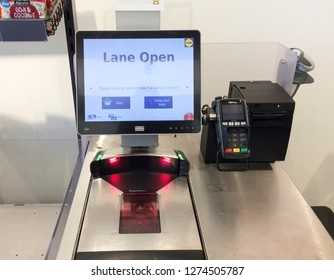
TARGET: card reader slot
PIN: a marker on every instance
(267, 119)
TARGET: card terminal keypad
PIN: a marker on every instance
(237, 139)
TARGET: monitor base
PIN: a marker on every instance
(140, 140)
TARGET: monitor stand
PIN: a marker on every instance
(140, 140)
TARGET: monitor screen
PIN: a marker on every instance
(138, 82)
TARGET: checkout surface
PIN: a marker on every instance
(258, 214)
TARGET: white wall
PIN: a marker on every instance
(300, 23)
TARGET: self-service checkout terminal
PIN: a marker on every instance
(143, 83)
(138, 202)
(139, 84)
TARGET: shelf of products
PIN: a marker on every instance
(29, 20)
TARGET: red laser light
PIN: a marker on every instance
(165, 160)
(114, 160)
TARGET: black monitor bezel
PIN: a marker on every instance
(137, 127)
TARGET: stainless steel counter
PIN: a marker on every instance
(258, 214)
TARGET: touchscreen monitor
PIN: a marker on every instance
(138, 82)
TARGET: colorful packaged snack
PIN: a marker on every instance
(5, 8)
(23, 11)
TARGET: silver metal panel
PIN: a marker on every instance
(26, 230)
(257, 214)
(100, 231)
